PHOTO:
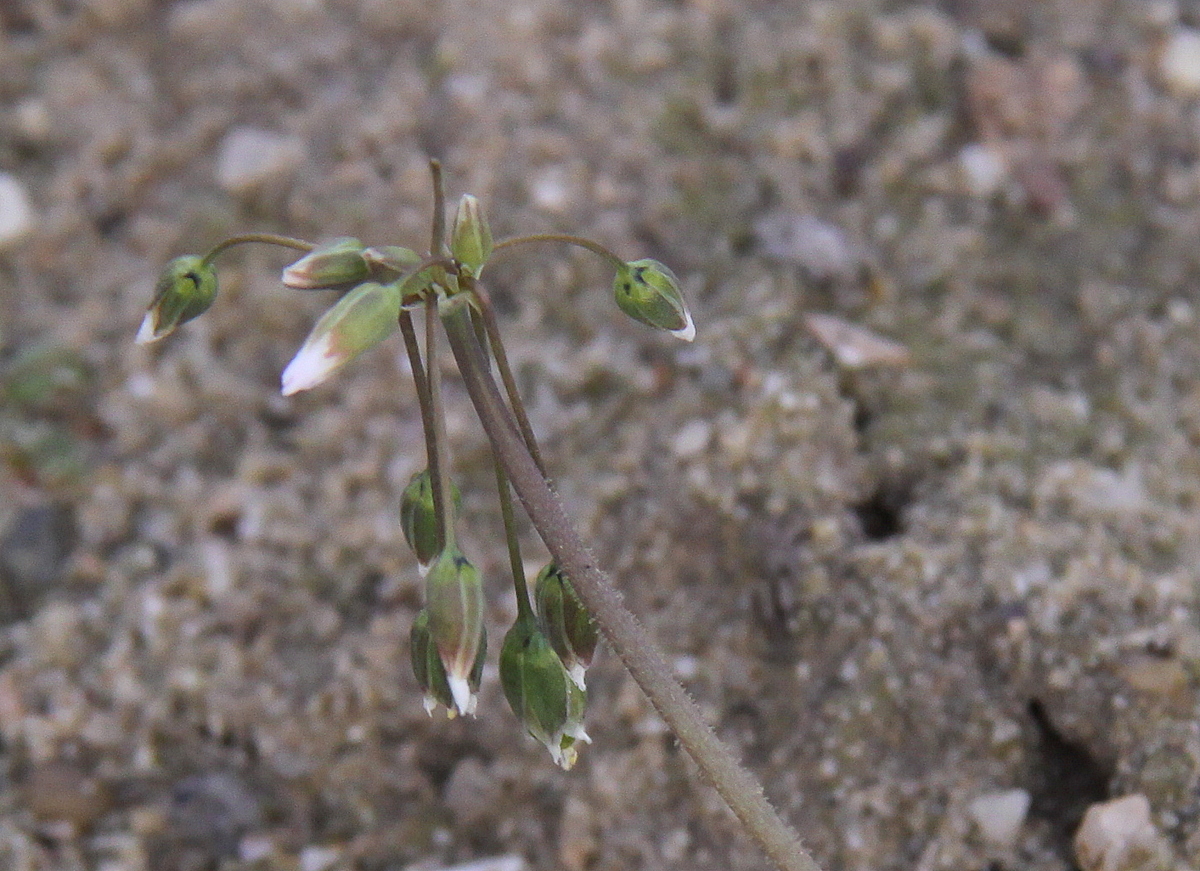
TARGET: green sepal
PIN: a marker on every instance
(649, 292)
(471, 238)
(454, 599)
(333, 264)
(539, 691)
(418, 517)
(564, 619)
(185, 289)
(431, 674)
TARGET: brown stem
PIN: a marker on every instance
(506, 375)
(631, 643)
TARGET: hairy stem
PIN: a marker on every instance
(629, 640)
(506, 376)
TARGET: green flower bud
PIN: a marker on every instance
(393, 257)
(649, 292)
(185, 289)
(331, 265)
(454, 597)
(568, 626)
(418, 518)
(357, 322)
(431, 674)
(546, 701)
(471, 238)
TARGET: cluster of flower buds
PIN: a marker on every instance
(542, 662)
(548, 649)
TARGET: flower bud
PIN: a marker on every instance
(545, 700)
(471, 238)
(431, 674)
(454, 598)
(331, 265)
(394, 257)
(357, 322)
(185, 289)
(568, 626)
(418, 518)
(648, 291)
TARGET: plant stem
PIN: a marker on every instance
(506, 376)
(439, 468)
(629, 640)
(566, 239)
(261, 238)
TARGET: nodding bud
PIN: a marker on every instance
(454, 598)
(418, 518)
(357, 322)
(568, 626)
(471, 238)
(185, 289)
(393, 257)
(334, 264)
(547, 702)
(648, 291)
(431, 674)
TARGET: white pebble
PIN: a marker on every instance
(692, 438)
(822, 249)
(249, 156)
(313, 858)
(1118, 835)
(16, 212)
(1179, 64)
(1000, 815)
(983, 169)
(496, 863)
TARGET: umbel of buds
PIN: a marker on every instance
(648, 291)
(544, 698)
(185, 289)
(568, 626)
(359, 321)
(454, 599)
(418, 518)
(431, 674)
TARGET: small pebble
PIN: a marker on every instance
(983, 169)
(495, 863)
(16, 212)
(855, 347)
(1119, 835)
(60, 791)
(1179, 64)
(820, 248)
(249, 156)
(1000, 815)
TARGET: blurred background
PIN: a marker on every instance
(915, 517)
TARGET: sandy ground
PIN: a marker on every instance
(942, 597)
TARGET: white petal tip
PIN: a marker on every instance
(688, 331)
(423, 568)
(576, 673)
(460, 690)
(146, 333)
(429, 703)
(309, 367)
